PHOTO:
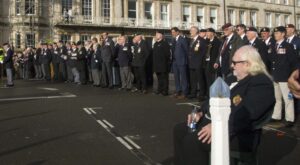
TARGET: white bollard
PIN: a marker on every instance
(220, 111)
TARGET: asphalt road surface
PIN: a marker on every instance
(63, 124)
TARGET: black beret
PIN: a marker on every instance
(79, 43)
(265, 29)
(290, 26)
(203, 30)
(227, 25)
(280, 29)
(253, 29)
(211, 30)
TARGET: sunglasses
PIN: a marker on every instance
(236, 62)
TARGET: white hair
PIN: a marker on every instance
(251, 55)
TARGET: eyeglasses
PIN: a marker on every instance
(236, 62)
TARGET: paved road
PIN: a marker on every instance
(62, 124)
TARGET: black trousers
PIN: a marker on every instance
(163, 82)
(82, 71)
(56, 71)
(210, 76)
(197, 77)
(188, 150)
(107, 74)
(47, 70)
(140, 77)
(63, 70)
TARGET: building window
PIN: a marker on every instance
(85, 37)
(200, 15)
(298, 22)
(268, 20)
(242, 16)
(18, 40)
(186, 14)
(277, 19)
(286, 2)
(65, 38)
(286, 19)
(298, 2)
(213, 15)
(30, 40)
(252, 18)
(131, 9)
(87, 9)
(29, 7)
(66, 5)
(106, 8)
(231, 16)
(18, 7)
(148, 10)
(164, 12)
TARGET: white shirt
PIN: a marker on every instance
(242, 36)
(229, 37)
(177, 37)
(279, 43)
(290, 38)
(252, 41)
(267, 41)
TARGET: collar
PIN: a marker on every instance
(280, 42)
(291, 38)
(195, 38)
(267, 41)
(229, 37)
(177, 37)
(242, 36)
(252, 41)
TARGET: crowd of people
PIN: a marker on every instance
(195, 60)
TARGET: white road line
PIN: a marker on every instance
(96, 107)
(191, 104)
(38, 97)
(102, 124)
(49, 89)
(132, 142)
(87, 111)
(110, 125)
(124, 143)
(90, 109)
(273, 129)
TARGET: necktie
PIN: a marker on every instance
(288, 40)
(224, 46)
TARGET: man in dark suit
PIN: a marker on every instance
(140, 55)
(213, 48)
(55, 61)
(241, 31)
(46, 58)
(230, 44)
(284, 62)
(161, 61)
(107, 54)
(268, 40)
(196, 55)
(81, 62)
(179, 63)
(258, 44)
(8, 63)
(62, 60)
(292, 38)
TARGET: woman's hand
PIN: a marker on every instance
(205, 134)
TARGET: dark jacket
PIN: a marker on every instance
(180, 51)
(96, 59)
(228, 52)
(252, 103)
(197, 51)
(107, 50)
(124, 55)
(63, 54)
(161, 56)
(8, 59)
(56, 55)
(46, 56)
(283, 62)
(81, 60)
(262, 49)
(73, 58)
(140, 54)
(212, 54)
(296, 45)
